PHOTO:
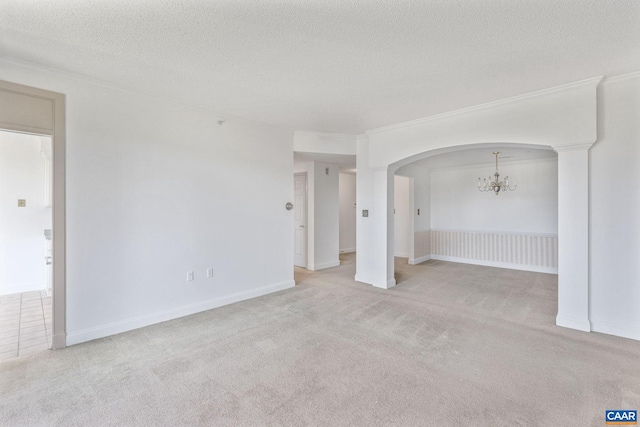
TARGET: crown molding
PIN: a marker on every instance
(80, 78)
(362, 137)
(350, 137)
(622, 77)
(578, 146)
(594, 81)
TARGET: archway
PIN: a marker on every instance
(563, 118)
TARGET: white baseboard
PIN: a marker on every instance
(614, 328)
(579, 324)
(390, 283)
(347, 250)
(414, 261)
(402, 255)
(324, 265)
(362, 279)
(18, 289)
(174, 313)
(524, 267)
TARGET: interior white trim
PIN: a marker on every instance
(573, 323)
(174, 313)
(390, 283)
(346, 136)
(347, 250)
(414, 261)
(585, 145)
(622, 77)
(323, 265)
(591, 81)
(486, 263)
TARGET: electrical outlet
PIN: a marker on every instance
(190, 276)
(209, 272)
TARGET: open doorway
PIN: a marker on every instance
(402, 219)
(32, 111)
(300, 220)
(25, 244)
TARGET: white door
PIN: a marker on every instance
(300, 219)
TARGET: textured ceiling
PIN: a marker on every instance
(327, 65)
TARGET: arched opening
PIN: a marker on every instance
(534, 121)
(454, 221)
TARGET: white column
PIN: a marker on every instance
(374, 236)
(383, 202)
(573, 237)
(374, 232)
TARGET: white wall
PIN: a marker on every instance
(403, 232)
(456, 203)
(615, 210)
(157, 189)
(347, 194)
(22, 243)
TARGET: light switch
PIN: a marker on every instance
(418, 211)
(22, 203)
(365, 213)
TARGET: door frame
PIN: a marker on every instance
(43, 113)
(306, 220)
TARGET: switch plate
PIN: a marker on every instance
(418, 211)
(22, 203)
(209, 272)
(365, 213)
(190, 276)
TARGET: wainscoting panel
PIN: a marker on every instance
(534, 252)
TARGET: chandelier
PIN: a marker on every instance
(493, 183)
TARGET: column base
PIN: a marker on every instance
(579, 324)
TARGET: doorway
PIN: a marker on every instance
(30, 110)
(300, 219)
(402, 217)
(25, 230)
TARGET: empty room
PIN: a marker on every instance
(320, 213)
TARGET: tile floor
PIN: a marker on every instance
(25, 324)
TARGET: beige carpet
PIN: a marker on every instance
(452, 344)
